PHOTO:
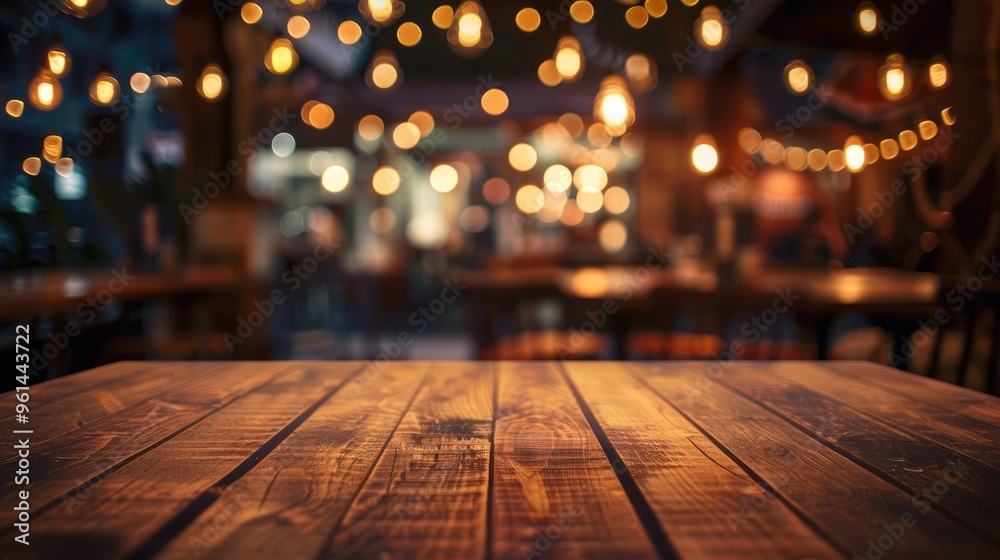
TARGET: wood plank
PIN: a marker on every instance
(62, 467)
(130, 505)
(868, 434)
(708, 506)
(555, 493)
(963, 434)
(427, 497)
(973, 404)
(851, 505)
(289, 504)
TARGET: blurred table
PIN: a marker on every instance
(518, 460)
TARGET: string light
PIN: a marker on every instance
(867, 19)
(281, 57)
(568, 58)
(15, 107)
(381, 12)
(104, 90)
(711, 31)
(528, 20)
(384, 73)
(58, 61)
(212, 84)
(614, 105)
(45, 92)
(798, 77)
(251, 13)
(854, 154)
(894, 80)
(470, 33)
(704, 155)
(938, 72)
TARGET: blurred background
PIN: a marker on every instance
(528, 179)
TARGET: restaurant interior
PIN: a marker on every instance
(475, 180)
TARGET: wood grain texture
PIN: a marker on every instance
(291, 502)
(427, 497)
(850, 505)
(554, 492)
(902, 456)
(719, 513)
(131, 504)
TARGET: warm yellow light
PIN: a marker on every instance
(59, 62)
(32, 166)
(590, 176)
(386, 180)
(871, 153)
(528, 19)
(928, 129)
(656, 8)
(251, 13)
(320, 116)
(443, 17)
(494, 101)
(947, 116)
(569, 58)
(637, 17)
(889, 147)
(52, 148)
(795, 158)
(469, 29)
(581, 11)
(281, 57)
(704, 155)
(370, 127)
(612, 236)
(590, 199)
(836, 160)
(173, 2)
(384, 72)
(907, 140)
(139, 82)
(104, 89)
(470, 32)
(380, 11)
(529, 199)
(816, 159)
(44, 91)
(641, 73)
(557, 178)
(405, 135)
(522, 157)
(749, 140)
(599, 135)
(424, 122)
(866, 19)
(571, 215)
(798, 76)
(854, 154)
(614, 106)
(335, 178)
(496, 190)
(616, 200)
(349, 32)
(710, 29)
(212, 83)
(774, 152)
(938, 73)
(444, 178)
(894, 78)
(548, 74)
(15, 107)
(409, 34)
(298, 27)
(64, 167)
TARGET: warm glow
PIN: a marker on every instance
(384, 76)
(710, 30)
(798, 76)
(548, 74)
(52, 148)
(32, 166)
(836, 160)
(405, 135)
(795, 158)
(384, 72)
(58, 61)
(522, 157)
(386, 180)
(443, 17)
(816, 159)
(641, 72)
(571, 215)
(494, 101)
(44, 91)
(382, 220)
(139, 82)
(15, 107)
(349, 32)
(894, 78)
(907, 140)
(704, 156)
(104, 89)
(496, 190)
(409, 34)
(928, 129)
(614, 106)
(854, 154)
(335, 178)
(251, 12)
(424, 122)
(590, 176)
(637, 17)
(380, 10)
(64, 167)
(590, 200)
(616, 200)
(212, 83)
(528, 19)
(529, 199)
(281, 57)
(947, 116)
(370, 127)
(612, 236)
(557, 178)
(889, 148)
(938, 73)
(749, 140)
(319, 116)
(656, 8)
(581, 11)
(871, 153)
(444, 178)
(569, 58)
(298, 27)
(866, 19)
(470, 32)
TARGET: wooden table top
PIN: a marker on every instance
(462, 460)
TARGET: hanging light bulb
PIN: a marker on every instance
(614, 105)
(44, 91)
(640, 71)
(867, 19)
(704, 155)
(81, 8)
(281, 57)
(58, 61)
(711, 29)
(212, 84)
(854, 154)
(52, 148)
(798, 77)
(894, 78)
(569, 58)
(470, 33)
(384, 73)
(381, 12)
(938, 72)
(104, 90)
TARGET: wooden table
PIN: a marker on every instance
(291, 460)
